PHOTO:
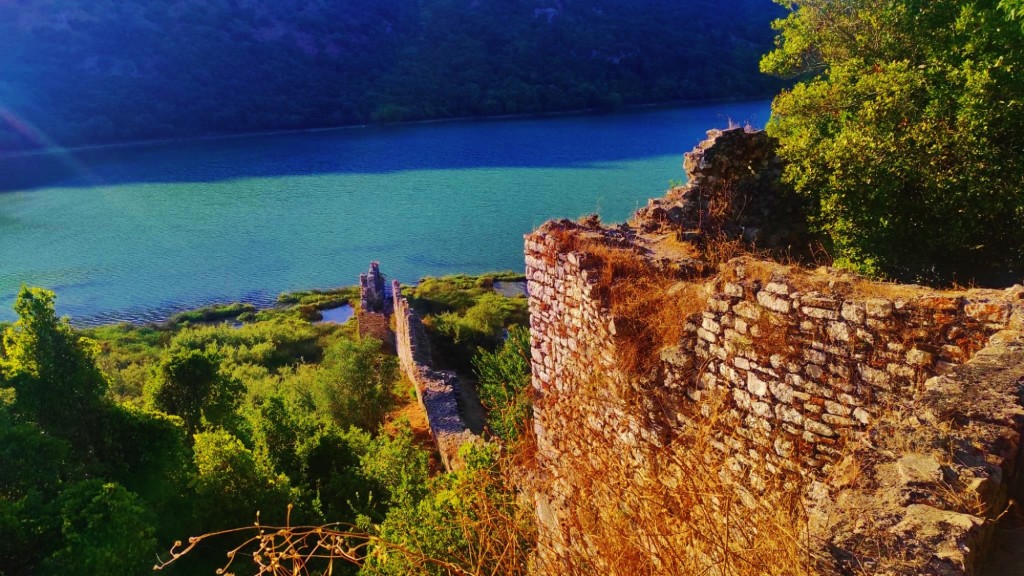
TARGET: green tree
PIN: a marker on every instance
(189, 384)
(52, 369)
(355, 383)
(906, 132)
(395, 463)
(106, 530)
(471, 518)
(35, 465)
(1015, 8)
(232, 485)
(504, 381)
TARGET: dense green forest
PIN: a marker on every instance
(906, 134)
(85, 72)
(118, 441)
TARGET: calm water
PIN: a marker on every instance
(136, 233)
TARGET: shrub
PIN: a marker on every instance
(504, 380)
(907, 135)
(354, 386)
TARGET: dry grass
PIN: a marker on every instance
(649, 304)
(684, 508)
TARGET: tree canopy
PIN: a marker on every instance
(906, 132)
(51, 369)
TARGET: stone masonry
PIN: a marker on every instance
(821, 372)
(437, 390)
(374, 305)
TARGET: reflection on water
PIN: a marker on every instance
(338, 315)
(511, 289)
(151, 231)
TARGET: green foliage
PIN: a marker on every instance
(1015, 9)
(355, 384)
(126, 354)
(483, 322)
(213, 313)
(145, 451)
(106, 530)
(189, 384)
(469, 518)
(231, 485)
(51, 368)
(397, 464)
(503, 378)
(34, 467)
(464, 313)
(321, 299)
(906, 136)
(141, 69)
(274, 408)
(271, 344)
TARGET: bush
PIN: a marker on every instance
(354, 386)
(907, 136)
(504, 381)
(106, 530)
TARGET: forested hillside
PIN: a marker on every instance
(86, 72)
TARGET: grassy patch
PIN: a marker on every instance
(463, 313)
(321, 299)
(212, 313)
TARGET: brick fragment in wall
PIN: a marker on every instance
(837, 409)
(817, 428)
(820, 302)
(873, 376)
(854, 312)
(774, 302)
(815, 356)
(748, 311)
(878, 308)
(819, 313)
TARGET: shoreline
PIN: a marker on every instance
(161, 316)
(38, 152)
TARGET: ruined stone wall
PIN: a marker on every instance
(807, 359)
(374, 306)
(810, 365)
(437, 390)
(733, 189)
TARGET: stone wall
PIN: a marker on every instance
(813, 366)
(374, 306)
(733, 190)
(437, 390)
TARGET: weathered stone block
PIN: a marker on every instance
(748, 311)
(989, 312)
(878, 308)
(756, 386)
(820, 313)
(818, 428)
(774, 302)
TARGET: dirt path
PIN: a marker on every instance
(410, 409)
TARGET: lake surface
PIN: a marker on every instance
(134, 234)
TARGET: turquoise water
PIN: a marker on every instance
(138, 233)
